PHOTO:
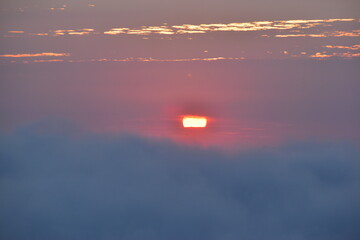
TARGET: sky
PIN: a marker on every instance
(92, 96)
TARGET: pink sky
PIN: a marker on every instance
(262, 77)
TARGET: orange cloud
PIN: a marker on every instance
(44, 54)
(300, 35)
(115, 31)
(142, 31)
(255, 26)
(14, 31)
(353, 47)
(84, 31)
(292, 25)
(228, 27)
(321, 55)
(354, 33)
(40, 34)
(166, 60)
(329, 55)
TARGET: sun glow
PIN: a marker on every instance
(194, 122)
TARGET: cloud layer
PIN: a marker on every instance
(280, 39)
(55, 186)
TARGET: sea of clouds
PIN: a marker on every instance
(66, 185)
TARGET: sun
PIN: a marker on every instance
(194, 122)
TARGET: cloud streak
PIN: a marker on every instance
(212, 27)
(226, 27)
(353, 33)
(353, 47)
(139, 59)
(31, 55)
(323, 55)
(251, 40)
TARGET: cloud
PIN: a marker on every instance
(353, 33)
(209, 59)
(353, 47)
(227, 27)
(217, 27)
(300, 35)
(259, 25)
(84, 31)
(47, 61)
(249, 39)
(322, 55)
(44, 54)
(15, 31)
(58, 186)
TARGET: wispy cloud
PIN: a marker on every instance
(50, 60)
(217, 27)
(84, 31)
(322, 55)
(353, 47)
(44, 54)
(353, 33)
(171, 60)
(62, 8)
(142, 31)
(139, 59)
(256, 26)
(16, 31)
(40, 34)
(300, 35)
(263, 33)
(226, 27)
